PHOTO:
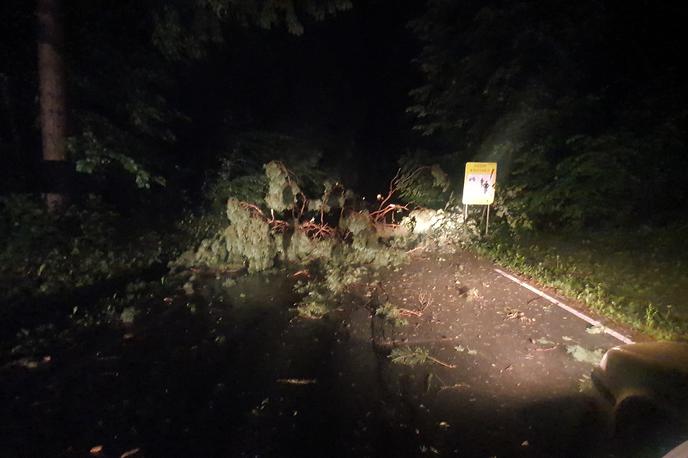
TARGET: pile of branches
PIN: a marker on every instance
(288, 226)
(311, 215)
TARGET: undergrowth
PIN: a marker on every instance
(45, 255)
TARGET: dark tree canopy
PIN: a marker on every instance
(583, 102)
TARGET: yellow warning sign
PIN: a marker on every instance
(479, 183)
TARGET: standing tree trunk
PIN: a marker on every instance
(51, 75)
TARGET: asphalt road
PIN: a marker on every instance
(233, 373)
(520, 383)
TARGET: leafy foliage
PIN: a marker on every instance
(259, 240)
(185, 30)
(391, 314)
(127, 107)
(409, 356)
(426, 186)
(97, 157)
(249, 238)
(316, 300)
(137, 131)
(45, 254)
(282, 188)
(240, 171)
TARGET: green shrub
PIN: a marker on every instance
(46, 254)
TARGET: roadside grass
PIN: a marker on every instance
(636, 277)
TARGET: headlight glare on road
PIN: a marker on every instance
(603, 362)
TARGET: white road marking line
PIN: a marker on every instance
(571, 310)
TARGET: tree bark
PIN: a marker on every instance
(51, 75)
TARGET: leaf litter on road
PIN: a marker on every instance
(408, 356)
(597, 329)
(584, 355)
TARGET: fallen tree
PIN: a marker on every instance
(329, 234)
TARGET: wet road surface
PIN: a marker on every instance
(238, 375)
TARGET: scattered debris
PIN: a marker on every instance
(304, 273)
(426, 449)
(515, 314)
(408, 312)
(262, 406)
(545, 344)
(313, 306)
(461, 348)
(584, 355)
(391, 314)
(543, 341)
(128, 315)
(129, 453)
(472, 294)
(408, 356)
(585, 383)
(598, 329)
(28, 363)
(547, 349)
(428, 382)
(418, 248)
(456, 386)
(297, 381)
(425, 300)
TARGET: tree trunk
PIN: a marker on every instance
(51, 74)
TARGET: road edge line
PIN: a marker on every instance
(569, 309)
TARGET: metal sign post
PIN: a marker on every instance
(479, 187)
(487, 221)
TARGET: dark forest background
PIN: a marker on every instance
(583, 105)
(171, 86)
